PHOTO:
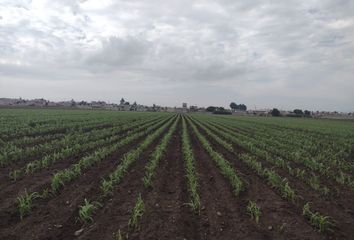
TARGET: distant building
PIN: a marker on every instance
(193, 108)
(260, 112)
(170, 109)
(184, 107)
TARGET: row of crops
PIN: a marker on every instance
(68, 174)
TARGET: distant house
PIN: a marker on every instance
(36, 103)
(193, 108)
(261, 112)
(98, 104)
(141, 108)
(8, 101)
(170, 109)
(179, 110)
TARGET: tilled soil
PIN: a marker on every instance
(338, 209)
(167, 213)
(50, 217)
(279, 219)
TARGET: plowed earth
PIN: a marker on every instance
(167, 214)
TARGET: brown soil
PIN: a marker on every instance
(46, 213)
(167, 214)
(4, 170)
(339, 209)
(340, 195)
(37, 180)
(279, 219)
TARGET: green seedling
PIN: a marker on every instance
(138, 212)
(254, 211)
(24, 202)
(86, 211)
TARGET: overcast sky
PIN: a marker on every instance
(283, 54)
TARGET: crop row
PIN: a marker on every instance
(65, 176)
(97, 140)
(115, 177)
(274, 155)
(274, 180)
(323, 154)
(224, 166)
(191, 174)
(79, 137)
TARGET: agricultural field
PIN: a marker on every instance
(70, 174)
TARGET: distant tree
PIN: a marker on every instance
(239, 107)
(275, 112)
(210, 109)
(122, 101)
(126, 103)
(233, 106)
(242, 107)
(298, 112)
(307, 112)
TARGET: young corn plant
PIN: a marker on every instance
(119, 236)
(64, 176)
(14, 175)
(107, 187)
(157, 155)
(127, 160)
(86, 210)
(322, 223)
(254, 210)
(24, 203)
(219, 140)
(190, 169)
(45, 193)
(137, 214)
(288, 192)
(224, 165)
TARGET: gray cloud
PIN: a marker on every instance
(265, 53)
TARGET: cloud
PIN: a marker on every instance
(118, 53)
(263, 53)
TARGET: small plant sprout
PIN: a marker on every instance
(86, 211)
(254, 211)
(24, 202)
(138, 212)
(119, 236)
(317, 220)
(14, 175)
(45, 193)
(147, 181)
(107, 187)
